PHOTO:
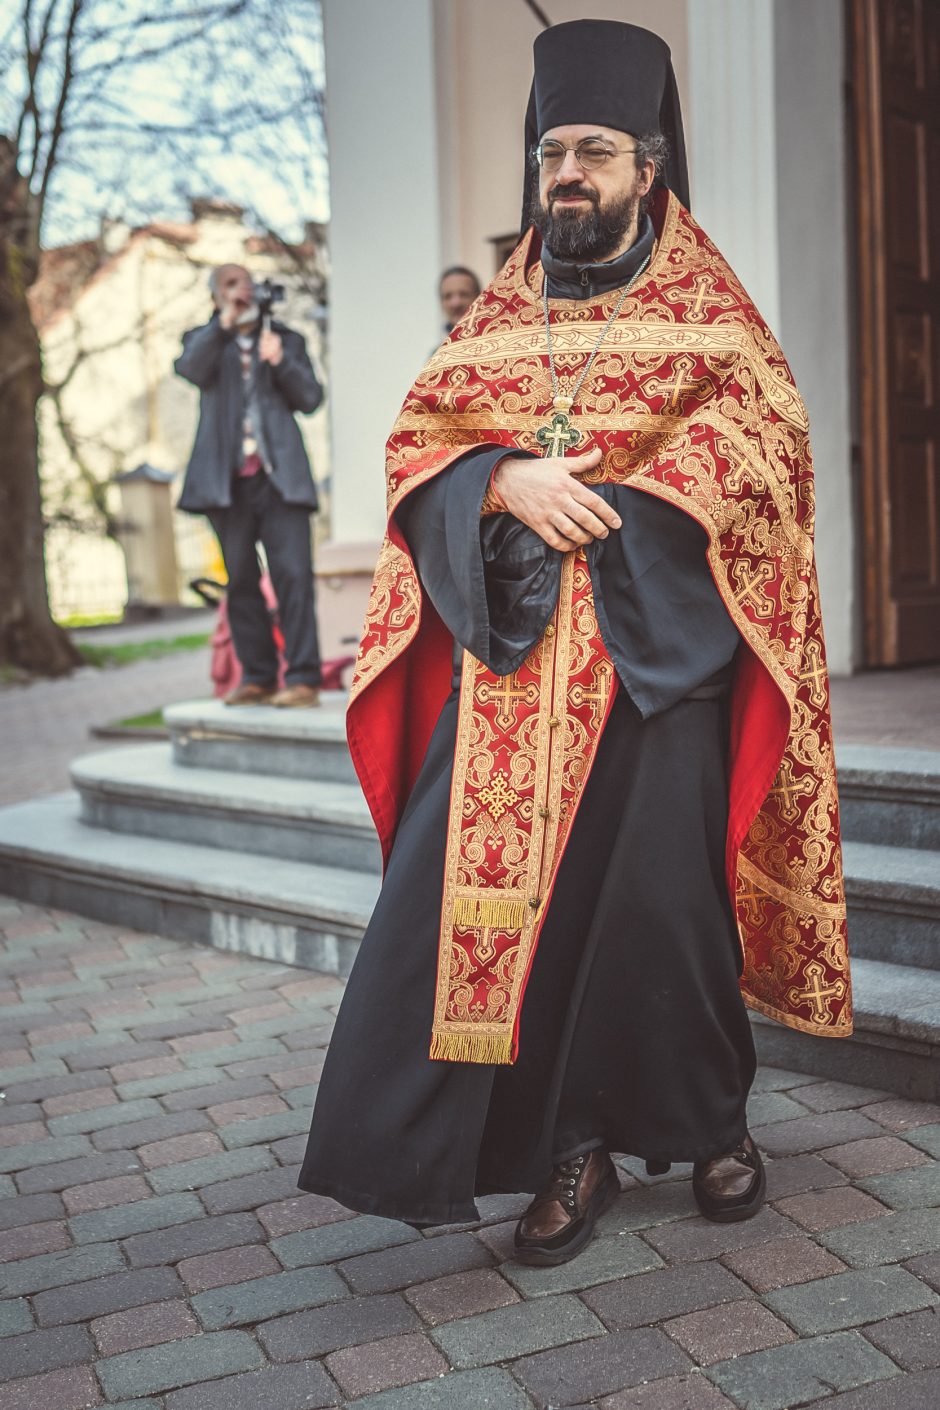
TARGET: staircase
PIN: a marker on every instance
(248, 831)
(891, 846)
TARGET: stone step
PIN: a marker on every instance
(890, 795)
(259, 739)
(893, 892)
(289, 911)
(142, 790)
(896, 1044)
(314, 916)
(893, 896)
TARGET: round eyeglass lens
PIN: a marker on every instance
(589, 155)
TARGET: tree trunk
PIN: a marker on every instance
(29, 639)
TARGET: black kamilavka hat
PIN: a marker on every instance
(617, 75)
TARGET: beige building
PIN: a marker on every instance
(111, 315)
(820, 206)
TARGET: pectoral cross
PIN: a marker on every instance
(557, 437)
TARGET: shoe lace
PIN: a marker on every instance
(566, 1176)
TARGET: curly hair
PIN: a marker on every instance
(651, 147)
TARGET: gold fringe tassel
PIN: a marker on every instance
(497, 912)
(471, 1047)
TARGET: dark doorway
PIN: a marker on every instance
(895, 89)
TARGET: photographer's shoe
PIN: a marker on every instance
(296, 697)
(251, 695)
(731, 1186)
(560, 1221)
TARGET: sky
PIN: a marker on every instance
(166, 106)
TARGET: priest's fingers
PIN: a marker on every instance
(568, 529)
(556, 540)
(586, 519)
(594, 503)
(577, 464)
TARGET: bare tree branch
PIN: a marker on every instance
(95, 489)
(64, 89)
(109, 108)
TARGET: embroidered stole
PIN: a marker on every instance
(525, 745)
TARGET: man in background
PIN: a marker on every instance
(458, 288)
(249, 474)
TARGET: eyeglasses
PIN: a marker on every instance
(589, 155)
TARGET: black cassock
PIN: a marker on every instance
(633, 1033)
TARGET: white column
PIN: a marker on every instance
(813, 246)
(732, 147)
(767, 157)
(385, 236)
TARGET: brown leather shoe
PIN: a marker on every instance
(251, 695)
(560, 1221)
(296, 697)
(732, 1186)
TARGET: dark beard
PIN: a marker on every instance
(593, 237)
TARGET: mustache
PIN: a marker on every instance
(584, 192)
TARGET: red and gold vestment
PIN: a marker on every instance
(691, 400)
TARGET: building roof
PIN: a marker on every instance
(68, 271)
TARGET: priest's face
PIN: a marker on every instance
(590, 213)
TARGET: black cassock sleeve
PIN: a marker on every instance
(494, 583)
(661, 615)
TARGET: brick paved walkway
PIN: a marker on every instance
(45, 725)
(155, 1252)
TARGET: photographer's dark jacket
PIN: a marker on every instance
(210, 360)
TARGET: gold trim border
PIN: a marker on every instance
(793, 900)
(802, 1025)
(553, 675)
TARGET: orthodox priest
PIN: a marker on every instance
(590, 713)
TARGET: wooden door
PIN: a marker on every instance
(895, 84)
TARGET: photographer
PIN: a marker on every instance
(249, 474)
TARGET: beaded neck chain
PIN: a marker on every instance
(560, 435)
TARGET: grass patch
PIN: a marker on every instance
(128, 651)
(152, 720)
(90, 619)
(147, 726)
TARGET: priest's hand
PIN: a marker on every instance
(547, 496)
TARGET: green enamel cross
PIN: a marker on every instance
(559, 436)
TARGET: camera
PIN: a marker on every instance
(268, 294)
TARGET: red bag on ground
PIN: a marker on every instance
(225, 668)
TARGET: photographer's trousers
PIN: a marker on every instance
(258, 514)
